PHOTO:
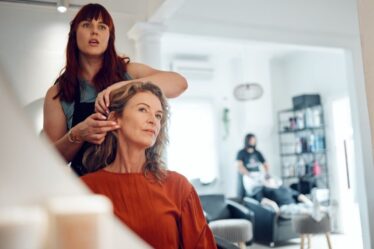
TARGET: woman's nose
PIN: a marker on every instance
(151, 119)
(94, 30)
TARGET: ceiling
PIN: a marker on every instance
(145, 7)
(332, 16)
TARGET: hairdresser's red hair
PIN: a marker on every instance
(113, 65)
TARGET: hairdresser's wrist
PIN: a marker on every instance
(74, 137)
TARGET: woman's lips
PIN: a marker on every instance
(93, 42)
(150, 131)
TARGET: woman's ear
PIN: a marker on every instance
(112, 116)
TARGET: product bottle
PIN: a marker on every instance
(317, 117)
(319, 143)
(308, 118)
(316, 168)
(312, 143)
(298, 146)
(301, 167)
(300, 121)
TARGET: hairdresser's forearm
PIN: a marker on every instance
(172, 84)
(67, 149)
(243, 170)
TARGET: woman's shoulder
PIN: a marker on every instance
(52, 91)
(175, 176)
(178, 187)
(177, 180)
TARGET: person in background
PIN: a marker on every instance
(93, 70)
(161, 206)
(282, 199)
(251, 163)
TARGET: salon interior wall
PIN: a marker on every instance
(306, 72)
(33, 42)
(232, 62)
(322, 72)
(250, 24)
(331, 24)
(282, 70)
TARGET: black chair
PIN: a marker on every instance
(217, 207)
(269, 227)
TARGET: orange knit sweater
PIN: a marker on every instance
(166, 215)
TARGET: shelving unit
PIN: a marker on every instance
(302, 145)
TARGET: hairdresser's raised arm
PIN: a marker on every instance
(171, 83)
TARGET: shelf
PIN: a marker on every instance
(320, 177)
(302, 130)
(290, 177)
(292, 139)
(301, 109)
(304, 153)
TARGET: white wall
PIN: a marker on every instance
(325, 73)
(283, 72)
(33, 43)
(309, 72)
(234, 62)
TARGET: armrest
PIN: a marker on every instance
(261, 213)
(239, 211)
(224, 244)
(265, 220)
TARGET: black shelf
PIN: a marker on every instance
(303, 129)
(303, 153)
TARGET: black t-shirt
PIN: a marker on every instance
(252, 161)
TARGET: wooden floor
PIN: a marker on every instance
(338, 241)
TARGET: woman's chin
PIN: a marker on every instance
(146, 144)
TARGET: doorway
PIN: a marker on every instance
(344, 203)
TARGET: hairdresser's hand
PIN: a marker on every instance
(103, 98)
(94, 128)
(102, 101)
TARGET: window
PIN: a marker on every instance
(192, 147)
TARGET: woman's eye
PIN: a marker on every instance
(85, 25)
(159, 116)
(142, 109)
(102, 27)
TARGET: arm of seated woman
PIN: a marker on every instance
(302, 198)
(270, 203)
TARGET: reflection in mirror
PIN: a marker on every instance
(34, 111)
(309, 50)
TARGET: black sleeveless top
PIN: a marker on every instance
(81, 111)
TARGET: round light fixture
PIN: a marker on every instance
(248, 91)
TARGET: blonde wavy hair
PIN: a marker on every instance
(99, 156)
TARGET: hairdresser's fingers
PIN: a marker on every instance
(100, 105)
(103, 124)
(96, 139)
(98, 117)
(98, 108)
(106, 98)
(105, 129)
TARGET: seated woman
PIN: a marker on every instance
(284, 200)
(161, 206)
